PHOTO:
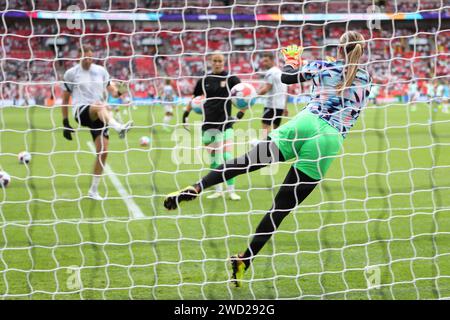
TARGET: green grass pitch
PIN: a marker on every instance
(381, 212)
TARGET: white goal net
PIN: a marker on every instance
(376, 227)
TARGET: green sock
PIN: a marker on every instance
(216, 160)
(227, 156)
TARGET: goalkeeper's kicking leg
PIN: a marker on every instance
(101, 112)
(295, 188)
(101, 140)
(264, 153)
(98, 119)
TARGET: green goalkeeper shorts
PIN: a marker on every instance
(214, 135)
(311, 141)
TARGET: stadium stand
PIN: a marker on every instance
(36, 51)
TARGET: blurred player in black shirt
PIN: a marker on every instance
(217, 128)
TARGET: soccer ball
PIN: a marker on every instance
(4, 179)
(243, 95)
(197, 104)
(144, 141)
(24, 157)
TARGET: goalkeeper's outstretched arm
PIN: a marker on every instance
(292, 69)
(291, 75)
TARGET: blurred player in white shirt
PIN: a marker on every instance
(431, 90)
(443, 94)
(374, 93)
(431, 94)
(413, 94)
(276, 92)
(86, 83)
(168, 98)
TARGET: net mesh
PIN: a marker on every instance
(377, 227)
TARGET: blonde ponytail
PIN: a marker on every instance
(352, 57)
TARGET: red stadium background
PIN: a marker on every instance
(35, 52)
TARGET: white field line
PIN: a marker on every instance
(417, 211)
(133, 208)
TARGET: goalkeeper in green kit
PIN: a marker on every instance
(312, 139)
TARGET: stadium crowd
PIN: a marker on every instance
(229, 6)
(36, 53)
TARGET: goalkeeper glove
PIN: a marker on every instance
(240, 115)
(292, 55)
(122, 89)
(67, 132)
(232, 120)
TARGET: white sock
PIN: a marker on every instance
(219, 187)
(230, 188)
(95, 183)
(115, 125)
(118, 117)
(167, 119)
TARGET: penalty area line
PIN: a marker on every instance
(133, 208)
